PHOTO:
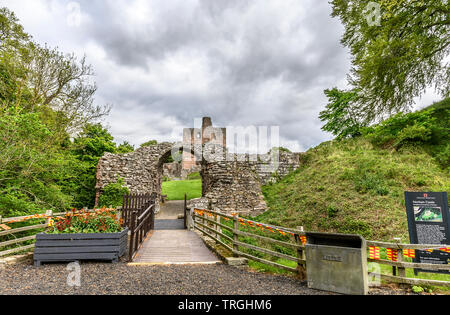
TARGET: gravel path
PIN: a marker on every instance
(121, 279)
(171, 210)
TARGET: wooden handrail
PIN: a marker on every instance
(203, 223)
(404, 246)
(411, 265)
(146, 212)
(23, 229)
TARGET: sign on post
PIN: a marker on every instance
(429, 223)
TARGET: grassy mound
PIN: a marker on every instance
(357, 185)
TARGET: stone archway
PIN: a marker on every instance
(142, 170)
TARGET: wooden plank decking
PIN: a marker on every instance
(171, 244)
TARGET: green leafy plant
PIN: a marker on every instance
(417, 289)
(113, 194)
(194, 176)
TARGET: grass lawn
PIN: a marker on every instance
(175, 190)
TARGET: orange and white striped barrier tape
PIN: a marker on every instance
(392, 254)
(411, 253)
(253, 224)
(303, 239)
(5, 227)
(374, 252)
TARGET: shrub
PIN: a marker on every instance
(418, 127)
(332, 211)
(113, 194)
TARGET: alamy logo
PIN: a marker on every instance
(74, 277)
(374, 278)
(373, 14)
(74, 17)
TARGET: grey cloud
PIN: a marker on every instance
(262, 66)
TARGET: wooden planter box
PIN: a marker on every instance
(74, 247)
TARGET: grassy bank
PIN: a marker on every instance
(353, 187)
(357, 185)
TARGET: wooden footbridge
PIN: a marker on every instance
(162, 238)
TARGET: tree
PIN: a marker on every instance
(15, 49)
(31, 166)
(88, 147)
(395, 61)
(92, 143)
(63, 83)
(45, 96)
(36, 78)
(11, 32)
(340, 119)
(125, 147)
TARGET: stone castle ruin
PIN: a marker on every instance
(231, 182)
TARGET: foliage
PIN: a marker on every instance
(46, 100)
(88, 147)
(31, 166)
(125, 147)
(194, 176)
(149, 143)
(403, 128)
(339, 116)
(417, 289)
(93, 142)
(113, 194)
(100, 221)
(395, 61)
(428, 128)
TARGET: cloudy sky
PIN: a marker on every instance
(163, 63)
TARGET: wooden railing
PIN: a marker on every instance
(12, 232)
(210, 223)
(400, 266)
(133, 203)
(141, 223)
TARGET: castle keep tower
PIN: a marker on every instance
(207, 134)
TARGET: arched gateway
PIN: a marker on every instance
(231, 182)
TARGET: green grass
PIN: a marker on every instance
(353, 187)
(387, 270)
(175, 190)
(193, 176)
(260, 267)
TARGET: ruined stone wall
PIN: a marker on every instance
(231, 185)
(234, 185)
(172, 170)
(141, 170)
